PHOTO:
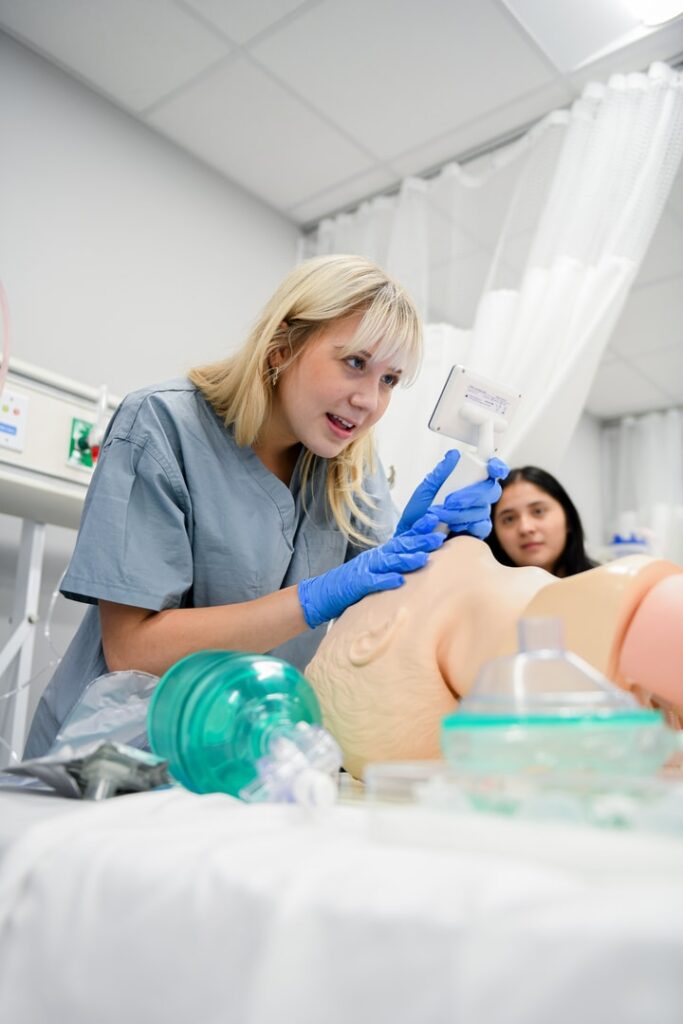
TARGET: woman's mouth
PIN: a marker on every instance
(340, 426)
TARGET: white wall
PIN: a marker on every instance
(580, 474)
(125, 260)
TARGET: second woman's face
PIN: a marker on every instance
(530, 525)
(325, 399)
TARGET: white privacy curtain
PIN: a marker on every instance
(524, 260)
(642, 460)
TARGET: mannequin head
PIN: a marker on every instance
(393, 665)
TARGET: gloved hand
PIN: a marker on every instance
(465, 511)
(326, 596)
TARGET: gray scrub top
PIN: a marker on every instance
(177, 515)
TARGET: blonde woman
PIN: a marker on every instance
(242, 508)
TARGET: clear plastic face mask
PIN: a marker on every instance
(544, 710)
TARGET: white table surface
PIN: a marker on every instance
(173, 907)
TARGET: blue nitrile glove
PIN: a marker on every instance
(465, 511)
(326, 596)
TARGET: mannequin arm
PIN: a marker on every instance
(651, 656)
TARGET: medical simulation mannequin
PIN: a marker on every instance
(395, 663)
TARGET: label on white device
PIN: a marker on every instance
(486, 399)
(468, 402)
(13, 417)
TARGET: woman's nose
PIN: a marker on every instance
(525, 524)
(366, 396)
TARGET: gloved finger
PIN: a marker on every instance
(425, 492)
(415, 542)
(438, 476)
(463, 516)
(481, 529)
(401, 561)
(426, 524)
(483, 492)
(385, 581)
(498, 469)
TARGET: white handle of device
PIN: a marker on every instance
(471, 469)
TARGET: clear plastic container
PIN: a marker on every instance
(225, 720)
(546, 710)
(398, 782)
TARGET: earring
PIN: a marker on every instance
(275, 373)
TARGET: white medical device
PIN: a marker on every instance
(51, 428)
(475, 412)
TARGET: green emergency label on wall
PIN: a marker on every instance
(79, 447)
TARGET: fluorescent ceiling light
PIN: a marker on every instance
(656, 12)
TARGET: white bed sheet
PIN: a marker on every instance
(173, 907)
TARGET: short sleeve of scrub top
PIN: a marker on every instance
(134, 546)
(178, 515)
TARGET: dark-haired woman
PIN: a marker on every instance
(535, 522)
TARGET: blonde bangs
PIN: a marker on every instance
(392, 332)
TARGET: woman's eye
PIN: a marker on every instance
(356, 362)
(390, 380)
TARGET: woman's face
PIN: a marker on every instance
(530, 525)
(325, 399)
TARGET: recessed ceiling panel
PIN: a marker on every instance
(571, 33)
(134, 52)
(396, 75)
(243, 19)
(244, 125)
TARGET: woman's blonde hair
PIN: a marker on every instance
(316, 293)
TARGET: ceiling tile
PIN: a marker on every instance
(505, 119)
(619, 389)
(349, 193)
(243, 19)
(665, 369)
(243, 124)
(652, 319)
(134, 52)
(395, 75)
(569, 36)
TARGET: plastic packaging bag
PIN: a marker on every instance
(114, 708)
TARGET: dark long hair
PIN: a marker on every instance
(573, 558)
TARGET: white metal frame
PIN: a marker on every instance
(37, 494)
(18, 649)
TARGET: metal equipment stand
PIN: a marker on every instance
(19, 646)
